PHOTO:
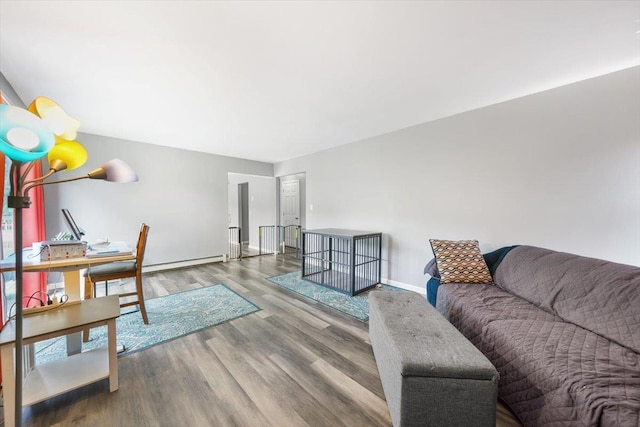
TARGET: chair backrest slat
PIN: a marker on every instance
(142, 244)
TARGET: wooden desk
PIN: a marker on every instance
(69, 267)
(57, 377)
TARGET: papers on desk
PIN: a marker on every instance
(98, 250)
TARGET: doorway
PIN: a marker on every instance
(291, 210)
(243, 211)
(290, 203)
(251, 204)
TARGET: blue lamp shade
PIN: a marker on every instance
(24, 137)
(114, 171)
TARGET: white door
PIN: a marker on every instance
(290, 209)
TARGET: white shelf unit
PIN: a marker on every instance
(57, 377)
(77, 370)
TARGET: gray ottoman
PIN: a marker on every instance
(431, 374)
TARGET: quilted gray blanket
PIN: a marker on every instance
(563, 331)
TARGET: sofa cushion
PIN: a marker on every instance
(554, 372)
(472, 308)
(600, 296)
(460, 261)
(551, 372)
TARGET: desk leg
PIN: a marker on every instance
(72, 284)
(74, 343)
(72, 289)
(8, 384)
(113, 355)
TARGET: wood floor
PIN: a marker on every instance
(294, 363)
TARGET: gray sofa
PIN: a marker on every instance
(563, 332)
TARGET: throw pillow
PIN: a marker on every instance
(460, 261)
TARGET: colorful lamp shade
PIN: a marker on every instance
(71, 153)
(60, 123)
(114, 171)
(24, 137)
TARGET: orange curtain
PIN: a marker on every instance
(2, 161)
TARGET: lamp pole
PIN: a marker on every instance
(17, 201)
(24, 138)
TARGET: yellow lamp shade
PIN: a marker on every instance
(71, 153)
(61, 124)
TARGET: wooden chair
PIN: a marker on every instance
(121, 270)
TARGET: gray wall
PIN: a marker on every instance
(181, 194)
(558, 169)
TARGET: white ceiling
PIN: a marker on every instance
(272, 80)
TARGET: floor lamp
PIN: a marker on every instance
(25, 137)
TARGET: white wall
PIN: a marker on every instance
(181, 194)
(262, 205)
(559, 169)
(9, 94)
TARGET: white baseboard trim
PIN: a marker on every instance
(223, 258)
(178, 264)
(419, 289)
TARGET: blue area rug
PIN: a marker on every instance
(355, 306)
(170, 317)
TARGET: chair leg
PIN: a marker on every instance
(143, 309)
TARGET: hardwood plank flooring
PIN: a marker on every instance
(294, 363)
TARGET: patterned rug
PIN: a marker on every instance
(170, 317)
(355, 306)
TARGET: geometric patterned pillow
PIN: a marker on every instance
(460, 261)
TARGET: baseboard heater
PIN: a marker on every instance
(179, 264)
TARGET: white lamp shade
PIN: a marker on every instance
(114, 171)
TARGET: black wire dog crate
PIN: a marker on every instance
(348, 261)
